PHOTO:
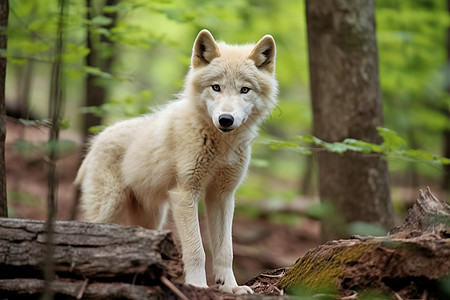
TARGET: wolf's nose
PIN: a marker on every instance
(226, 120)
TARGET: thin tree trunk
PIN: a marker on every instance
(4, 13)
(55, 109)
(24, 88)
(96, 92)
(345, 93)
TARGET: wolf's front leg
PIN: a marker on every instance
(185, 214)
(220, 210)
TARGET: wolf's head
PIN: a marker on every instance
(235, 84)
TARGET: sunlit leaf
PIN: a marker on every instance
(282, 144)
(364, 147)
(391, 140)
(338, 148)
(419, 155)
(96, 129)
(101, 20)
(97, 72)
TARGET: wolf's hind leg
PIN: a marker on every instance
(102, 192)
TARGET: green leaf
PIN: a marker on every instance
(337, 147)
(419, 155)
(364, 228)
(64, 124)
(29, 122)
(23, 146)
(42, 122)
(445, 160)
(97, 72)
(96, 129)
(364, 147)
(282, 144)
(62, 147)
(101, 20)
(320, 210)
(307, 138)
(391, 140)
(98, 111)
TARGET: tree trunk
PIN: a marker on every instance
(95, 91)
(4, 13)
(345, 93)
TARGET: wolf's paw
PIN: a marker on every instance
(237, 289)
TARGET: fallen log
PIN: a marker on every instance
(85, 252)
(95, 261)
(413, 262)
(13, 288)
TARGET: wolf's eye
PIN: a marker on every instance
(216, 87)
(245, 90)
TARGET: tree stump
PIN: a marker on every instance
(412, 262)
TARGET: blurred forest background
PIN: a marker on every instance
(122, 57)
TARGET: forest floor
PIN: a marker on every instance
(259, 243)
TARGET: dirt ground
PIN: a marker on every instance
(258, 243)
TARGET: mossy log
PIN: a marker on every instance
(413, 261)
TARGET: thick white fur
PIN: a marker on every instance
(137, 169)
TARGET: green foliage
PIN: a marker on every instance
(119, 108)
(61, 147)
(411, 40)
(153, 42)
(63, 123)
(393, 146)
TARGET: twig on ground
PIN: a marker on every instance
(173, 288)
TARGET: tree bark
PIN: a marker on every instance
(85, 250)
(95, 91)
(100, 253)
(4, 13)
(345, 94)
(409, 263)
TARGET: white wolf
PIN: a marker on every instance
(198, 146)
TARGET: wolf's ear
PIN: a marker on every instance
(264, 54)
(205, 49)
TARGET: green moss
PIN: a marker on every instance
(321, 267)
